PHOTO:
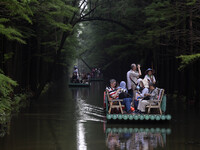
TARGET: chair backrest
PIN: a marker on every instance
(106, 100)
(160, 95)
(108, 96)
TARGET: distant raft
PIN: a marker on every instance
(79, 84)
(96, 79)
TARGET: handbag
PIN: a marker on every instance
(123, 95)
(146, 98)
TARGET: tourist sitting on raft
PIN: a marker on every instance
(84, 78)
(114, 93)
(151, 95)
(149, 76)
(142, 89)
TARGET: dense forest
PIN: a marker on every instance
(40, 39)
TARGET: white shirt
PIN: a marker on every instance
(128, 80)
(134, 75)
(149, 79)
(144, 91)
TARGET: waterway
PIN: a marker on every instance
(73, 119)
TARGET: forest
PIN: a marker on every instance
(40, 40)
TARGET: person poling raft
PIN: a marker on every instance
(142, 94)
(79, 79)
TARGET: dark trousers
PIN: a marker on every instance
(130, 92)
(127, 103)
(136, 104)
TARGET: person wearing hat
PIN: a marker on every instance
(149, 76)
(145, 87)
(151, 95)
(142, 90)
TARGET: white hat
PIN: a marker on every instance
(146, 83)
(139, 80)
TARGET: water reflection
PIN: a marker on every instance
(81, 143)
(85, 112)
(136, 139)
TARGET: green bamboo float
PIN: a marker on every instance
(108, 116)
(114, 116)
(120, 117)
(152, 117)
(146, 117)
(168, 117)
(136, 117)
(125, 117)
(131, 117)
(163, 117)
(141, 117)
(157, 118)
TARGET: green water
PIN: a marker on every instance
(71, 118)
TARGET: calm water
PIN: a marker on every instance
(70, 119)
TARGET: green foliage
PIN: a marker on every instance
(13, 10)
(8, 56)
(11, 33)
(6, 90)
(188, 59)
(8, 101)
(6, 85)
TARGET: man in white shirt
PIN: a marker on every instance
(132, 77)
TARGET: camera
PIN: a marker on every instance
(122, 90)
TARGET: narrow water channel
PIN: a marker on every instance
(73, 118)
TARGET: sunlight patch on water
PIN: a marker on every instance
(81, 142)
(87, 112)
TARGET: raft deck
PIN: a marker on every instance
(138, 117)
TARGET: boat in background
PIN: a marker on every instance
(96, 79)
(79, 84)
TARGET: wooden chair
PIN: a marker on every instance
(114, 103)
(156, 103)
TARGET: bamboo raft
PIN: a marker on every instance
(137, 117)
